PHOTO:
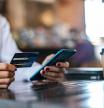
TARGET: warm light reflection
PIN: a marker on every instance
(47, 18)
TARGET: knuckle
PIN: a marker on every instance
(8, 81)
(13, 67)
(13, 74)
(7, 73)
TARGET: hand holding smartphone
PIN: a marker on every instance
(61, 56)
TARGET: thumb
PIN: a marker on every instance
(47, 59)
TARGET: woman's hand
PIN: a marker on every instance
(7, 72)
(55, 73)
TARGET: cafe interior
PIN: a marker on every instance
(46, 26)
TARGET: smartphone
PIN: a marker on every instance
(61, 56)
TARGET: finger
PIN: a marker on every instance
(6, 81)
(11, 68)
(3, 86)
(52, 68)
(42, 72)
(12, 74)
(48, 58)
(6, 74)
(7, 67)
(12, 79)
(63, 65)
(55, 75)
(52, 74)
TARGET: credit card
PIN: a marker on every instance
(21, 60)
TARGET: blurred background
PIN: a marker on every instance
(49, 25)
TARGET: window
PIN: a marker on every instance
(94, 15)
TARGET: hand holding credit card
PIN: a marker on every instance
(26, 59)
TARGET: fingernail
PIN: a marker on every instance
(43, 72)
(59, 64)
(47, 69)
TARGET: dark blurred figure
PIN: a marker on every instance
(85, 55)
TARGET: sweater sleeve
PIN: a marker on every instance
(8, 45)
